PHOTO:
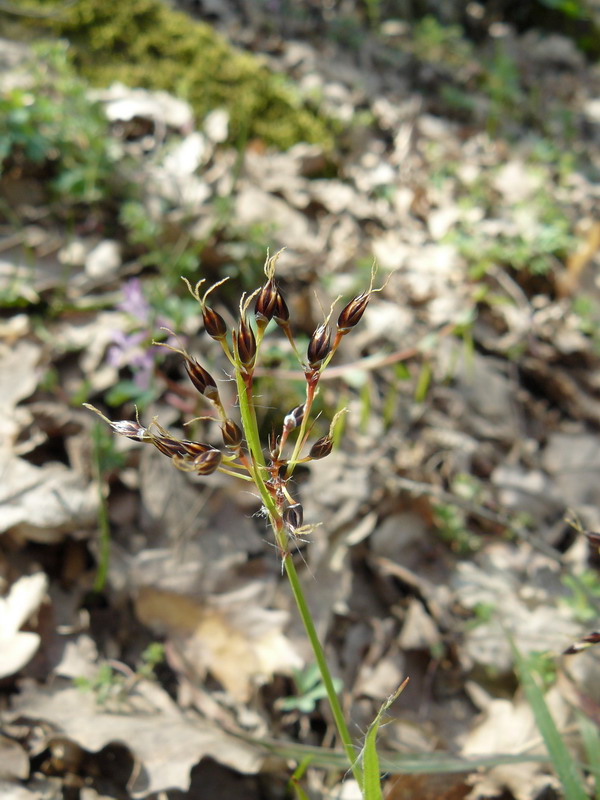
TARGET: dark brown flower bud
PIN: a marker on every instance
(319, 346)
(351, 314)
(294, 418)
(281, 313)
(232, 435)
(245, 343)
(293, 517)
(208, 462)
(202, 380)
(321, 448)
(214, 324)
(265, 303)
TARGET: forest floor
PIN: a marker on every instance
(150, 647)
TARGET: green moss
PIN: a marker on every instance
(145, 43)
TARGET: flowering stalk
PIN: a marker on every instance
(242, 455)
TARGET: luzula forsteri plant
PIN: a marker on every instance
(242, 453)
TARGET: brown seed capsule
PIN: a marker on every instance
(207, 463)
(319, 346)
(321, 448)
(214, 324)
(245, 343)
(351, 314)
(294, 418)
(281, 313)
(202, 380)
(232, 435)
(195, 449)
(265, 303)
(168, 446)
(293, 517)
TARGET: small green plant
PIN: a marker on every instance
(584, 590)
(548, 241)
(442, 44)
(53, 127)
(451, 520)
(542, 665)
(242, 454)
(576, 9)
(152, 656)
(148, 230)
(107, 685)
(482, 614)
(451, 525)
(501, 84)
(309, 690)
(113, 681)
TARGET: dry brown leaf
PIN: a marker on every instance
(43, 503)
(425, 787)
(12, 791)
(18, 647)
(521, 603)
(166, 742)
(18, 379)
(14, 761)
(230, 636)
(510, 727)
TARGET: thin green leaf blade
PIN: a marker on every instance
(590, 735)
(372, 785)
(370, 756)
(565, 767)
(294, 782)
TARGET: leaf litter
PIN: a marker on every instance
(416, 571)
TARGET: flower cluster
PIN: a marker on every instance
(242, 454)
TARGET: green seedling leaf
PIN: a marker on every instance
(310, 690)
(128, 391)
(370, 757)
(423, 382)
(585, 592)
(561, 759)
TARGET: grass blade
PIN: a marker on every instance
(590, 735)
(565, 766)
(294, 782)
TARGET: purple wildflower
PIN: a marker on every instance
(134, 302)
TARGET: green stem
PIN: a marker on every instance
(250, 425)
(310, 396)
(334, 702)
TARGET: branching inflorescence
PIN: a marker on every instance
(242, 454)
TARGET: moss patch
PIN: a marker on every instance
(145, 43)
